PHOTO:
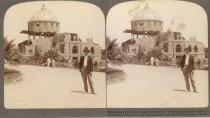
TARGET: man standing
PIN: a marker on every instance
(152, 60)
(188, 67)
(48, 62)
(86, 69)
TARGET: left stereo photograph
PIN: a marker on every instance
(54, 55)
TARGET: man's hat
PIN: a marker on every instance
(86, 50)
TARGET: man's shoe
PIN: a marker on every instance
(94, 93)
(85, 92)
(196, 91)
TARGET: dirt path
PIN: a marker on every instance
(45, 87)
(156, 87)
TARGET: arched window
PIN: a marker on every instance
(178, 48)
(72, 38)
(189, 47)
(61, 48)
(141, 23)
(92, 50)
(196, 48)
(165, 47)
(75, 38)
(37, 24)
(134, 50)
(74, 49)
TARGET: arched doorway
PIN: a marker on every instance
(189, 47)
(196, 48)
(92, 50)
(178, 48)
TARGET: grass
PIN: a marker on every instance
(10, 71)
(114, 75)
(11, 76)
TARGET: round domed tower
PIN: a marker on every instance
(146, 21)
(43, 21)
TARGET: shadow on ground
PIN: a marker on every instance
(78, 91)
(179, 90)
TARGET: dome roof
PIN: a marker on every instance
(43, 15)
(146, 14)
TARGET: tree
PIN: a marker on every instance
(103, 54)
(11, 53)
(49, 54)
(113, 52)
(162, 37)
(57, 39)
(206, 52)
(156, 53)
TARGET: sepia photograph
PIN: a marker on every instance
(54, 55)
(157, 55)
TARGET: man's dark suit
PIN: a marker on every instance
(191, 62)
(86, 73)
(89, 63)
(188, 71)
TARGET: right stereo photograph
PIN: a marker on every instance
(157, 55)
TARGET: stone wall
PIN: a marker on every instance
(43, 26)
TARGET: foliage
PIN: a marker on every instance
(112, 70)
(114, 54)
(206, 52)
(114, 75)
(161, 37)
(58, 38)
(32, 60)
(42, 58)
(76, 63)
(49, 54)
(8, 71)
(11, 53)
(156, 53)
(103, 54)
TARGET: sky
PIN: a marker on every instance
(75, 17)
(188, 18)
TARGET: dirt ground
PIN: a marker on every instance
(144, 87)
(156, 87)
(46, 87)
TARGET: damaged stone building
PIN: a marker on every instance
(147, 26)
(43, 27)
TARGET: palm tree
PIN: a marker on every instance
(11, 57)
(114, 57)
(113, 52)
(11, 53)
(49, 54)
(162, 37)
(156, 53)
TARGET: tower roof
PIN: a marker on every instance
(43, 15)
(146, 14)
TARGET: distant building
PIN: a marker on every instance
(71, 47)
(147, 27)
(43, 27)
